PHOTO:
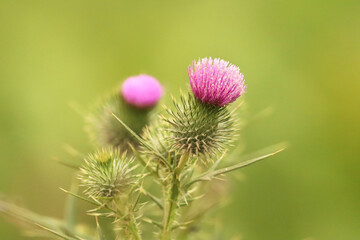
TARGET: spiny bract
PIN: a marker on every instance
(198, 128)
(157, 136)
(106, 174)
(106, 131)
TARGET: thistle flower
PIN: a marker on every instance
(216, 81)
(199, 129)
(106, 174)
(142, 91)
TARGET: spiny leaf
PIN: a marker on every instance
(67, 164)
(132, 209)
(57, 233)
(106, 226)
(142, 160)
(182, 225)
(99, 230)
(80, 197)
(94, 202)
(47, 224)
(152, 197)
(150, 221)
(71, 207)
(210, 175)
(73, 152)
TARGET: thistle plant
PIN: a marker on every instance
(155, 178)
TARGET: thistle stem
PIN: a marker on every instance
(128, 224)
(172, 202)
(133, 228)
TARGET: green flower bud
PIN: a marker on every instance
(106, 174)
(156, 136)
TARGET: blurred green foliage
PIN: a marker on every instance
(302, 58)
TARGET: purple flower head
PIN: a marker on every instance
(142, 91)
(216, 81)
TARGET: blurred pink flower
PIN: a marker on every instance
(216, 81)
(142, 91)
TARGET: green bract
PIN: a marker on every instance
(104, 129)
(106, 174)
(198, 128)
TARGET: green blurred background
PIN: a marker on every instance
(302, 58)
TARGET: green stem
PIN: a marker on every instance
(172, 202)
(133, 229)
(170, 207)
(128, 224)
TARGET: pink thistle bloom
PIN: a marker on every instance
(216, 81)
(142, 91)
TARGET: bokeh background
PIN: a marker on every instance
(301, 58)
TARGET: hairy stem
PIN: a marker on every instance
(133, 228)
(170, 207)
(128, 223)
(172, 196)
